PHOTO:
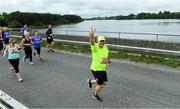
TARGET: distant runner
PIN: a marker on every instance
(50, 40)
(100, 60)
(5, 36)
(24, 30)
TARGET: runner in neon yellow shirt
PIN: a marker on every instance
(100, 60)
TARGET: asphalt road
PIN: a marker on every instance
(60, 82)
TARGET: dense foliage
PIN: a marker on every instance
(18, 19)
(160, 15)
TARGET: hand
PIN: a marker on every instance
(109, 64)
(13, 51)
(4, 56)
(19, 48)
(92, 32)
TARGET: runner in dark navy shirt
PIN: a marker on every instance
(24, 30)
(50, 40)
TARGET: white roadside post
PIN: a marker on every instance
(10, 101)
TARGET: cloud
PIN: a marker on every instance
(90, 8)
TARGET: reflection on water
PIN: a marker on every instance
(162, 23)
(169, 26)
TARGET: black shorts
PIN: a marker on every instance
(49, 40)
(100, 76)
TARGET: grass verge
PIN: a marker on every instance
(167, 60)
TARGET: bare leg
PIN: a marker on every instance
(48, 47)
(98, 89)
(19, 77)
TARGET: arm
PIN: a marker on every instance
(19, 49)
(91, 36)
(5, 51)
(40, 39)
(22, 43)
(109, 62)
(32, 40)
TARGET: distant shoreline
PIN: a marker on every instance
(160, 15)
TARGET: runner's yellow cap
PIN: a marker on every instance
(100, 38)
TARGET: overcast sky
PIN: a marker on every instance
(90, 8)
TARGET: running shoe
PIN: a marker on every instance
(20, 80)
(96, 97)
(89, 83)
(31, 63)
(51, 50)
(34, 53)
(40, 59)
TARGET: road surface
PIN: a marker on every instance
(60, 82)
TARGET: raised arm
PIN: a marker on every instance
(91, 35)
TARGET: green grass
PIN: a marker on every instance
(167, 60)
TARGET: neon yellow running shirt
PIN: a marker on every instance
(99, 57)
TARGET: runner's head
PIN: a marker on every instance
(25, 26)
(27, 34)
(36, 33)
(49, 26)
(101, 41)
(12, 41)
(4, 28)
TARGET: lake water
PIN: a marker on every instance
(160, 26)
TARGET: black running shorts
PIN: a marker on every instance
(100, 76)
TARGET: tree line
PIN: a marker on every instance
(18, 19)
(160, 15)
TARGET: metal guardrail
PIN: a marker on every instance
(153, 36)
(150, 50)
(120, 34)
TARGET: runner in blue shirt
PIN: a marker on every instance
(5, 36)
(36, 39)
